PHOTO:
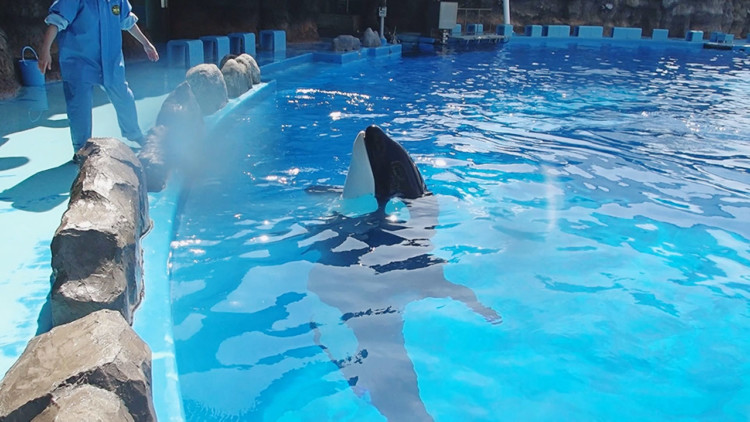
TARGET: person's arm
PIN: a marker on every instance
(61, 13)
(149, 48)
(45, 57)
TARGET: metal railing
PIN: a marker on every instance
(473, 13)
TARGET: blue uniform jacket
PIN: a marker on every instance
(90, 38)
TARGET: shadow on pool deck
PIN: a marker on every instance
(42, 191)
(36, 174)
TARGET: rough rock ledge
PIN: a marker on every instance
(96, 253)
(100, 350)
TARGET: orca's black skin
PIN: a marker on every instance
(394, 172)
(390, 266)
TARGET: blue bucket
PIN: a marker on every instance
(30, 73)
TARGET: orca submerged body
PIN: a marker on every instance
(371, 268)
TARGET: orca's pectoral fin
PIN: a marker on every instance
(467, 296)
(489, 314)
(324, 190)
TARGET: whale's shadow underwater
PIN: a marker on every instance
(372, 267)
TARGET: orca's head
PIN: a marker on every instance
(382, 167)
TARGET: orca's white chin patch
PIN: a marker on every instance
(359, 180)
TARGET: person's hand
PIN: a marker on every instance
(151, 52)
(45, 61)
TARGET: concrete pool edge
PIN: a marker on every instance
(151, 322)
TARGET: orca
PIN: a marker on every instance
(381, 166)
(372, 266)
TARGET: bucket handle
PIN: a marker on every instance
(35, 119)
(23, 53)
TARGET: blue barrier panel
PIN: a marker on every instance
(533, 31)
(620, 33)
(475, 29)
(377, 51)
(186, 53)
(504, 30)
(721, 38)
(340, 58)
(588, 31)
(215, 47)
(242, 42)
(694, 36)
(426, 48)
(273, 40)
(456, 30)
(660, 34)
(556, 31)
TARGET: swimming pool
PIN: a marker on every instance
(596, 197)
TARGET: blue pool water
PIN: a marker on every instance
(597, 198)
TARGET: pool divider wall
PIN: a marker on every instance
(625, 36)
(556, 31)
(594, 32)
(620, 33)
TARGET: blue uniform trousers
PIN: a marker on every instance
(79, 100)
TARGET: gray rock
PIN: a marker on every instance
(96, 253)
(209, 87)
(84, 403)
(346, 43)
(153, 159)
(182, 117)
(181, 110)
(371, 39)
(252, 67)
(236, 77)
(225, 58)
(100, 350)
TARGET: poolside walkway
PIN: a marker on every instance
(35, 178)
